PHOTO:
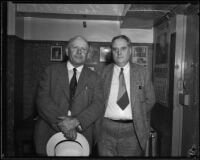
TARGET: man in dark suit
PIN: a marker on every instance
(69, 99)
(129, 97)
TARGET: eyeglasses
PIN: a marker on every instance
(74, 49)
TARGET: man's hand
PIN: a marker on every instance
(68, 123)
(68, 127)
(71, 134)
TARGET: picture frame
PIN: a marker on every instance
(161, 49)
(105, 54)
(140, 55)
(93, 55)
(56, 53)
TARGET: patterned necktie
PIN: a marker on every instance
(73, 85)
(122, 99)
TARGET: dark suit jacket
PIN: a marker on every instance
(142, 98)
(53, 101)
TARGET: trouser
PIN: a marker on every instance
(118, 139)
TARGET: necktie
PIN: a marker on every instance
(73, 85)
(122, 99)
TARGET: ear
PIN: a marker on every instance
(130, 50)
(66, 51)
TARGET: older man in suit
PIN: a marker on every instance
(69, 98)
(129, 97)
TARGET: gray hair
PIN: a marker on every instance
(74, 38)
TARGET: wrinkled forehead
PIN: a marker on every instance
(78, 41)
(119, 42)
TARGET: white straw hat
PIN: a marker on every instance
(58, 145)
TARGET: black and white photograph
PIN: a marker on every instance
(162, 49)
(140, 55)
(105, 54)
(93, 55)
(95, 80)
(56, 53)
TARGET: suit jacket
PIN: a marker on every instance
(142, 99)
(53, 101)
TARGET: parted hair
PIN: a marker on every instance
(121, 37)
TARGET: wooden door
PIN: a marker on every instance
(190, 101)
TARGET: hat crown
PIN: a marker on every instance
(68, 148)
(58, 145)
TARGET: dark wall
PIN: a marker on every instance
(10, 75)
(36, 58)
(18, 83)
(14, 88)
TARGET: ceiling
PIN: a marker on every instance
(87, 9)
(142, 16)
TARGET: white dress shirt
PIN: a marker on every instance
(113, 111)
(71, 72)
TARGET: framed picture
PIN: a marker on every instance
(139, 55)
(105, 54)
(161, 49)
(56, 53)
(93, 55)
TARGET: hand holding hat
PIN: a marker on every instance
(68, 122)
(58, 145)
(68, 127)
(71, 134)
(68, 142)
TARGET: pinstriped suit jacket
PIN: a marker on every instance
(53, 101)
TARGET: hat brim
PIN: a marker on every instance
(58, 137)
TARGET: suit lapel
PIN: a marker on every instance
(108, 80)
(64, 79)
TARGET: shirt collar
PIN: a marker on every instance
(70, 67)
(126, 68)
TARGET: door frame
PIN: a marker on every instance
(181, 21)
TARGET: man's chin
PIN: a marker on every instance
(120, 61)
(78, 63)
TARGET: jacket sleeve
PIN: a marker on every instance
(46, 106)
(96, 108)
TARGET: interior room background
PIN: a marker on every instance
(29, 48)
(29, 52)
